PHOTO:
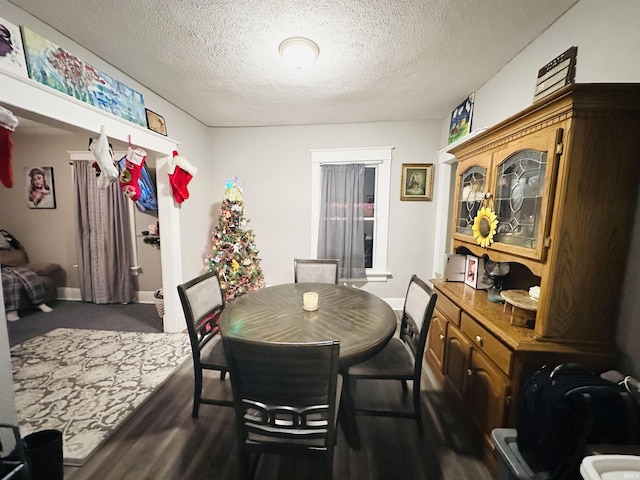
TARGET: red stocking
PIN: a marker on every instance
(8, 123)
(180, 174)
(6, 145)
(131, 172)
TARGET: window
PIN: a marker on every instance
(377, 186)
(369, 214)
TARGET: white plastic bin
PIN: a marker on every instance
(511, 465)
(610, 467)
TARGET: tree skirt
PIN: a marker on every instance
(86, 382)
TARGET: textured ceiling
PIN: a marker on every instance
(379, 59)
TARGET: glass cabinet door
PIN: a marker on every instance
(518, 198)
(470, 196)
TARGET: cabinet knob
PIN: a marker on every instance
(487, 195)
(469, 372)
(479, 340)
(441, 337)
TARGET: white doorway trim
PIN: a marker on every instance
(31, 100)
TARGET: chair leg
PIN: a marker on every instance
(328, 466)
(417, 407)
(244, 464)
(197, 392)
(347, 412)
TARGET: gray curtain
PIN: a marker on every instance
(341, 232)
(103, 239)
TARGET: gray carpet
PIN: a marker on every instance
(134, 317)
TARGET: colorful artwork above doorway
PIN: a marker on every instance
(54, 67)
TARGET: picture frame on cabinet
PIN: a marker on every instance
(461, 117)
(417, 182)
(559, 72)
(476, 274)
(455, 267)
(471, 271)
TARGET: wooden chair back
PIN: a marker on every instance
(202, 303)
(316, 270)
(285, 396)
(419, 304)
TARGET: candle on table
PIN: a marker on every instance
(310, 301)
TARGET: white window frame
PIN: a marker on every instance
(379, 157)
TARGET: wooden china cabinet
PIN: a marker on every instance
(562, 179)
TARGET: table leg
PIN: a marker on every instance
(347, 415)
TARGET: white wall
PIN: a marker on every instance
(274, 164)
(607, 36)
(192, 135)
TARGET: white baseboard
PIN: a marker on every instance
(68, 293)
(395, 303)
(73, 294)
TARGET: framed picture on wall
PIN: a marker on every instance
(155, 122)
(12, 57)
(417, 181)
(40, 187)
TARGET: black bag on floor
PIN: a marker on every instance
(562, 409)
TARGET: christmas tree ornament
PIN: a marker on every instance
(180, 174)
(8, 124)
(104, 158)
(134, 161)
(233, 190)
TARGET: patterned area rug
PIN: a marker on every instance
(87, 382)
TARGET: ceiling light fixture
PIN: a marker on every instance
(299, 52)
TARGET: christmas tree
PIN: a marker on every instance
(235, 255)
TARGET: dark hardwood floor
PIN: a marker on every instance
(161, 441)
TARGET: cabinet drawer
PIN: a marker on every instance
(480, 337)
(448, 308)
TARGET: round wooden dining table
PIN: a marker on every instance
(363, 322)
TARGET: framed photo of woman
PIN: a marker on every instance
(40, 187)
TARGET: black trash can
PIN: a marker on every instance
(43, 450)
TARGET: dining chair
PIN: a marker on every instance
(202, 303)
(315, 270)
(286, 397)
(401, 359)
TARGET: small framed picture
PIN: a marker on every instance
(156, 123)
(471, 271)
(461, 117)
(40, 187)
(417, 181)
